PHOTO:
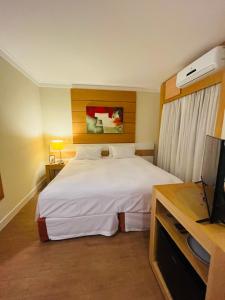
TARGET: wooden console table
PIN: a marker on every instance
(183, 203)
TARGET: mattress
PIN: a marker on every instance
(101, 187)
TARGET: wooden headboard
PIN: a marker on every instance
(80, 98)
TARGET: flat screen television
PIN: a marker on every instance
(213, 178)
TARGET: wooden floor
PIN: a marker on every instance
(84, 268)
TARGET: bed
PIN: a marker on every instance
(91, 197)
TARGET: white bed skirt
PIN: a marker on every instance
(66, 228)
(137, 221)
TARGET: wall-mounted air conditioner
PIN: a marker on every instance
(207, 64)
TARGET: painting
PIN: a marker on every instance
(100, 119)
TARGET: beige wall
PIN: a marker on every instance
(147, 117)
(56, 114)
(21, 141)
(57, 121)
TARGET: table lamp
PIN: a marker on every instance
(58, 145)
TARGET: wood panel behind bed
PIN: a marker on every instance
(80, 98)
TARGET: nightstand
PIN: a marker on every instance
(52, 170)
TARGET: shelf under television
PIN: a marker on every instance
(168, 222)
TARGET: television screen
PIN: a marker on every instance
(210, 168)
(213, 176)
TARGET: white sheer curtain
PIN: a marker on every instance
(184, 126)
(169, 133)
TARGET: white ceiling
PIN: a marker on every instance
(126, 43)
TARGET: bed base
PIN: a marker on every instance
(43, 233)
(42, 230)
(121, 218)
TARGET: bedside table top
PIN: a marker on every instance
(55, 166)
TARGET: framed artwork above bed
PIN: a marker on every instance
(103, 116)
(100, 119)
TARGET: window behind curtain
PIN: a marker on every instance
(184, 126)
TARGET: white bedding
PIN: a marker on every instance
(104, 186)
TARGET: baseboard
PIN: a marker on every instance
(21, 204)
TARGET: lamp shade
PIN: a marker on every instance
(57, 144)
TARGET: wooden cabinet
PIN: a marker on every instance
(52, 170)
(183, 204)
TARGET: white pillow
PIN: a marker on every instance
(122, 151)
(88, 152)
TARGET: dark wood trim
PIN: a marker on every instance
(42, 229)
(121, 217)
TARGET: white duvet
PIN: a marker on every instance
(104, 186)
